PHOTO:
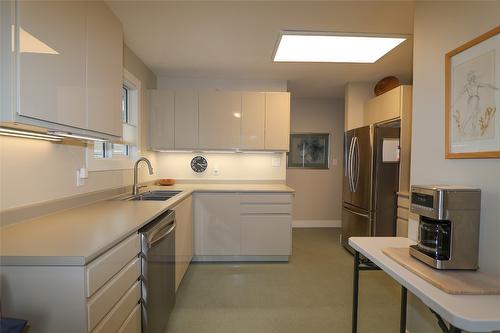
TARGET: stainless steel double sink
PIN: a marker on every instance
(158, 195)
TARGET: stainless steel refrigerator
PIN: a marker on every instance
(370, 184)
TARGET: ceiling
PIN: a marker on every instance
(236, 39)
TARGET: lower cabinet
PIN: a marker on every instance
(102, 296)
(183, 238)
(242, 226)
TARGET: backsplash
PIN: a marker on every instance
(223, 166)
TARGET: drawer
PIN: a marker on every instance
(403, 213)
(120, 312)
(266, 235)
(266, 198)
(107, 265)
(103, 300)
(403, 202)
(259, 208)
(133, 323)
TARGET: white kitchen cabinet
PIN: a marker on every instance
(277, 128)
(51, 76)
(243, 226)
(104, 69)
(183, 238)
(65, 72)
(186, 120)
(219, 120)
(100, 297)
(161, 104)
(253, 118)
(266, 224)
(217, 224)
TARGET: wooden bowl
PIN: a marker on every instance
(386, 84)
(166, 182)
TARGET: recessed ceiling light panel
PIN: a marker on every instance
(321, 47)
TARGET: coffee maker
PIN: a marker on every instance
(448, 231)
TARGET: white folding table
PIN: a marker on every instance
(474, 313)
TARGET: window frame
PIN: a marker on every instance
(130, 137)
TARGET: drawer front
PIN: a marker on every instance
(266, 198)
(403, 213)
(120, 312)
(106, 266)
(133, 323)
(247, 208)
(266, 235)
(103, 300)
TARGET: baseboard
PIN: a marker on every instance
(316, 223)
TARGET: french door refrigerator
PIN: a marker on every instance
(370, 185)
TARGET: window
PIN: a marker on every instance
(120, 155)
(125, 104)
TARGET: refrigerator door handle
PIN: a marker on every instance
(353, 164)
(358, 158)
(349, 165)
(356, 213)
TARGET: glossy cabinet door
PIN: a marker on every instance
(186, 120)
(104, 69)
(161, 116)
(217, 224)
(277, 131)
(183, 238)
(52, 52)
(253, 118)
(219, 120)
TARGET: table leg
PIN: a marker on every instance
(404, 297)
(355, 292)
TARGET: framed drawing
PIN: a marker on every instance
(472, 88)
(309, 151)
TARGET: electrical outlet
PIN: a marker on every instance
(80, 181)
(276, 162)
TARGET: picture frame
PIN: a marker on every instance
(472, 98)
(309, 151)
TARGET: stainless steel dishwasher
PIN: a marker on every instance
(158, 272)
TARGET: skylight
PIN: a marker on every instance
(320, 47)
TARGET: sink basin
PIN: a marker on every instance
(158, 195)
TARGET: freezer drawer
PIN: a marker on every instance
(354, 224)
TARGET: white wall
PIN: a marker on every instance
(33, 171)
(183, 83)
(441, 27)
(230, 166)
(318, 196)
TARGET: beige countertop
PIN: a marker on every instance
(77, 236)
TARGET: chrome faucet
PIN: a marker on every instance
(136, 187)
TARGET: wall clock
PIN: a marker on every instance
(199, 164)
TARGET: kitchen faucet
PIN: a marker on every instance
(136, 187)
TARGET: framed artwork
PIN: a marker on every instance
(309, 151)
(472, 88)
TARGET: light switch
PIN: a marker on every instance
(276, 162)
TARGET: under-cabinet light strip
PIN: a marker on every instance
(77, 136)
(29, 135)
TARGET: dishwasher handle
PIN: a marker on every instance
(161, 233)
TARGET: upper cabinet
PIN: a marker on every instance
(253, 119)
(52, 50)
(64, 70)
(277, 130)
(219, 120)
(161, 104)
(104, 69)
(186, 120)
